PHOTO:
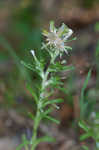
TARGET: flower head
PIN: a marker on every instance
(58, 37)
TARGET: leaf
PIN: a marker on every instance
(25, 142)
(68, 68)
(82, 93)
(55, 106)
(49, 110)
(85, 136)
(85, 147)
(68, 47)
(52, 119)
(66, 91)
(45, 33)
(59, 67)
(45, 139)
(86, 81)
(55, 67)
(83, 126)
(32, 92)
(49, 94)
(37, 69)
(49, 102)
(71, 39)
(61, 30)
(29, 66)
(52, 27)
(20, 146)
(30, 115)
(55, 81)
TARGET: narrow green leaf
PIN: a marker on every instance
(45, 33)
(61, 30)
(86, 81)
(22, 145)
(32, 92)
(68, 47)
(48, 111)
(75, 38)
(45, 139)
(49, 94)
(30, 115)
(52, 27)
(38, 68)
(55, 106)
(82, 93)
(29, 66)
(66, 91)
(85, 136)
(68, 68)
(54, 101)
(59, 67)
(83, 126)
(52, 119)
(85, 147)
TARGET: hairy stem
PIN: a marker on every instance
(35, 128)
(38, 117)
(38, 113)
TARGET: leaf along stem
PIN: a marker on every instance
(38, 116)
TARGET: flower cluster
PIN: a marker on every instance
(58, 37)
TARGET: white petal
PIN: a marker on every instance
(70, 32)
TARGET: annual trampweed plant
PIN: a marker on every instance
(47, 79)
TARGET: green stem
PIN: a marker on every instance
(38, 113)
(35, 128)
(39, 107)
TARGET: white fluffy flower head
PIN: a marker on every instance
(58, 37)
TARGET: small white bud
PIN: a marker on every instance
(33, 53)
(70, 33)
